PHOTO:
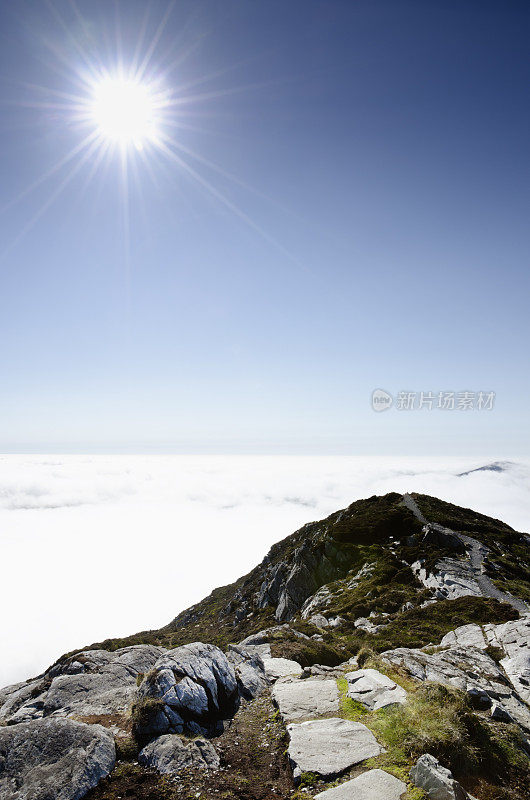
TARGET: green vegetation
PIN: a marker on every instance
(143, 713)
(421, 626)
(496, 653)
(349, 708)
(440, 720)
(126, 748)
(308, 652)
(387, 586)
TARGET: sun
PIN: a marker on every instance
(124, 111)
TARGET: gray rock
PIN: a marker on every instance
(513, 637)
(376, 784)
(465, 636)
(373, 689)
(308, 698)
(517, 669)
(500, 714)
(336, 622)
(450, 578)
(194, 687)
(250, 671)
(170, 754)
(364, 624)
(53, 758)
(260, 643)
(319, 620)
(465, 668)
(436, 781)
(281, 667)
(327, 747)
(93, 682)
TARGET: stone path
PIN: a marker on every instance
(281, 668)
(307, 698)
(328, 747)
(322, 743)
(477, 553)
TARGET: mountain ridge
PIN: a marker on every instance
(404, 617)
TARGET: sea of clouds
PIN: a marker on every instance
(100, 546)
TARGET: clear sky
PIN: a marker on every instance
(346, 209)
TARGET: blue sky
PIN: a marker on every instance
(375, 235)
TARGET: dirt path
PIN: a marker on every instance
(477, 553)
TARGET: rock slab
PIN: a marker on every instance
(281, 668)
(376, 784)
(373, 689)
(327, 747)
(170, 754)
(308, 698)
(53, 758)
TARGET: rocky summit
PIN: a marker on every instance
(382, 653)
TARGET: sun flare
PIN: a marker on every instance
(124, 111)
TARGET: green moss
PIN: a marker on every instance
(308, 779)
(309, 652)
(349, 708)
(126, 748)
(421, 626)
(496, 653)
(142, 714)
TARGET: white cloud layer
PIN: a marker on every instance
(100, 546)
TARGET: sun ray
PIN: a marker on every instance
(51, 199)
(51, 172)
(205, 184)
(127, 110)
(156, 38)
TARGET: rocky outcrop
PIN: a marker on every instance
(468, 669)
(170, 754)
(436, 781)
(328, 747)
(92, 682)
(287, 585)
(449, 580)
(373, 689)
(375, 784)
(190, 689)
(317, 603)
(250, 671)
(53, 758)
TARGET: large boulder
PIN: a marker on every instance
(436, 781)
(373, 689)
(53, 758)
(376, 784)
(328, 747)
(191, 689)
(306, 699)
(170, 754)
